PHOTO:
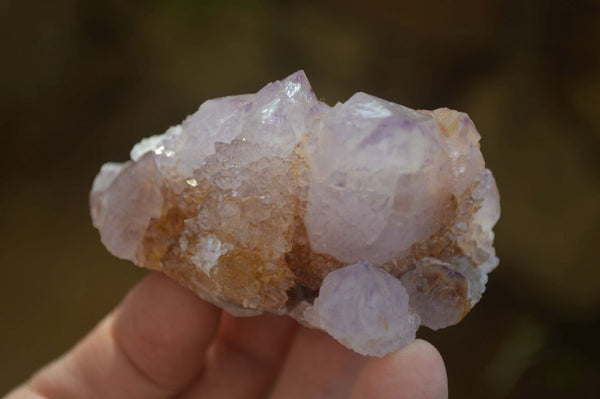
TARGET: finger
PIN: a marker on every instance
(23, 393)
(151, 347)
(416, 371)
(165, 330)
(244, 360)
(317, 367)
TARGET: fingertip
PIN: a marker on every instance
(428, 363)
(424, 354)
(165, 329)
(415, 371)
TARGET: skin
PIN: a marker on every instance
(163, 341)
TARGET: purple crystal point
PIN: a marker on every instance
(366, 309)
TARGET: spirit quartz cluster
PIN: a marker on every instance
(365, 219)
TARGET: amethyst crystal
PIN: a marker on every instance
(364, 219)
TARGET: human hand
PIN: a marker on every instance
(163, 341)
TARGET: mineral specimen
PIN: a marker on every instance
(366, 219)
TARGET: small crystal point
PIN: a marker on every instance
(366, 309)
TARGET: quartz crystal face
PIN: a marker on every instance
(366, 219)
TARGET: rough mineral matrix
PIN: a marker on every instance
(365, 219)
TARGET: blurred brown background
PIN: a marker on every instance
(82, 81)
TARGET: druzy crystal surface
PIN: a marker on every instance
(366, 219)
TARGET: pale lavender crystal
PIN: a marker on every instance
(364, 219)
(128, 196)
(380, 176)
(366, 309)
(436, 293)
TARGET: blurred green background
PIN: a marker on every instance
(82, 81)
